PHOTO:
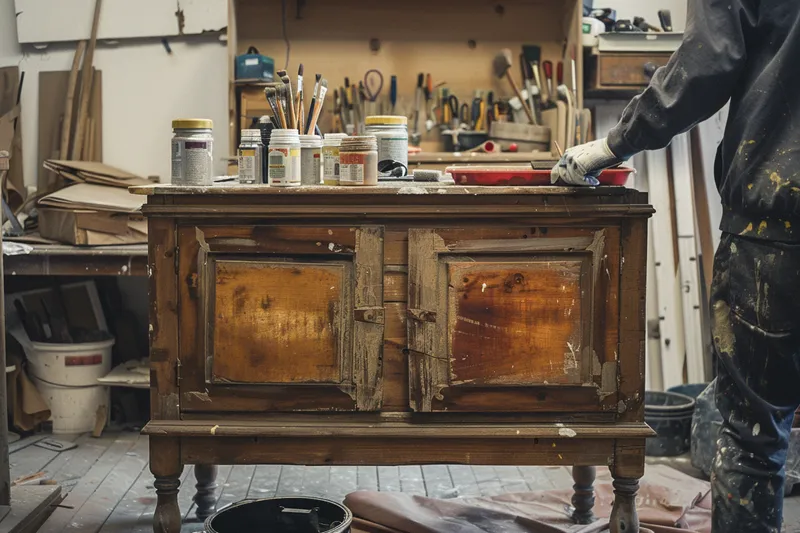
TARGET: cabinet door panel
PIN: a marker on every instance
(513, 319)
(278, 322)
(280, 318)
(511, 322)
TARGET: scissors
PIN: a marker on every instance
(452, 104)
(373, 78)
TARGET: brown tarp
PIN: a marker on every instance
(668, 502)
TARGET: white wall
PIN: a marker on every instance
(144, 88)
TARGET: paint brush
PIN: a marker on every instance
(313, 100)
(281, 92)
(272, 100)
(502, 69)
(299, 109)
(287, 82)
(323, 88)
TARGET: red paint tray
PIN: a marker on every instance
(523, 175)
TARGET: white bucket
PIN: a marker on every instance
(66, 376)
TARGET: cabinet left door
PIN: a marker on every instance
(280, 318)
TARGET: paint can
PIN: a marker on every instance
(310, 155)
(284, 158)
(392, 135)
(330, 157)
(358, 161)
(250, 158)
(192, 151)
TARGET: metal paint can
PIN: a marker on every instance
(358, 161)
(392, 135)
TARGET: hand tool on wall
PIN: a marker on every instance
(665, 17)
(418, 96)
(533, 91)
(453, 108)
(373, 85)
(430, 121)
(547, 67)
(502, 69)
(560, 73)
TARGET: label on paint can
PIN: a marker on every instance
(284, 167)
(352, 173)
(191, 162)
(247, 166)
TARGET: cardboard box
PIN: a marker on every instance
(84, 227)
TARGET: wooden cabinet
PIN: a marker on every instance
(397, 325)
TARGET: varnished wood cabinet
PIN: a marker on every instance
(398, 325)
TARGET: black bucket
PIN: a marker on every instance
(281, 515)
(670, 416)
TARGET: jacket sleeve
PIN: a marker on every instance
(696, 83)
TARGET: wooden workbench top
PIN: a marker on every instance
(385, 189)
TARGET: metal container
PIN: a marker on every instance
(251, 153)
(281, 515)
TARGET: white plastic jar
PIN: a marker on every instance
(310, 155)
(284, 158)
(359, 161)
(330, 157)
(192, 151)
(392, 135)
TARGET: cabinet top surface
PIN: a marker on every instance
(399, 189)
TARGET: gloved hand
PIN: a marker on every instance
(581, 164)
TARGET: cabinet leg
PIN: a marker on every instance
(583, 497)
(166, 467)
(624, 518)
(205, 498)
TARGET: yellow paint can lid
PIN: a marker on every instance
(381, 120)
(192, 123)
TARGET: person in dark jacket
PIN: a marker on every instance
(743, 52)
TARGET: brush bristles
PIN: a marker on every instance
(319, 77)
(300, 70)
(281, 73)
(324, 83)
(501, 63)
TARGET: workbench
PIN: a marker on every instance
(397, 325)
(66, 260)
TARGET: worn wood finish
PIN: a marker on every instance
(399, 325)
(205, 499)
(495, 309)
(282, 309)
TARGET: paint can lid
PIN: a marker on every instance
(386, 120)
(361, 143)
(310, 141)
(192, 123)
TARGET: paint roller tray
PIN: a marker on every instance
(523, 175)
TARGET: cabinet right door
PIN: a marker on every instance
(514, 319)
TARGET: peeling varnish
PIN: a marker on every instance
(202, 396)
(566, 432)
(214, 429)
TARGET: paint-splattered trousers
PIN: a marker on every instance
(755, 306)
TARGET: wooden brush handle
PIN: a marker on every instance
(519, 95)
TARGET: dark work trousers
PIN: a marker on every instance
(755, 306)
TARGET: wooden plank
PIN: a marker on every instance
(265, 481)
(236, 487)
(464, 480)
(136, 501)
(70, 466)
(86, 85)
(511, 479)
(488, 482)
(52, 116)
(438, 483)
(93, 513)
(30, 505)
(33, 459)
(395, 286)
(368, 330)
(389, 479)
(291, 481)
(343, 481)
(25, 442)
(316, 481)
(89, 483)
(367, 478)
(411, 480)
(69, 104)
(536, 477)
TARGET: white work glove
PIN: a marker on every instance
(581, 164)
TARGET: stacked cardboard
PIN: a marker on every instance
(97, 209)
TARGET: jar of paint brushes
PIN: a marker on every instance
(358, 160)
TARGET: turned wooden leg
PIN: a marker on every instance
(583, 497)
(166, 467)
(205, 498)
(624, 518)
